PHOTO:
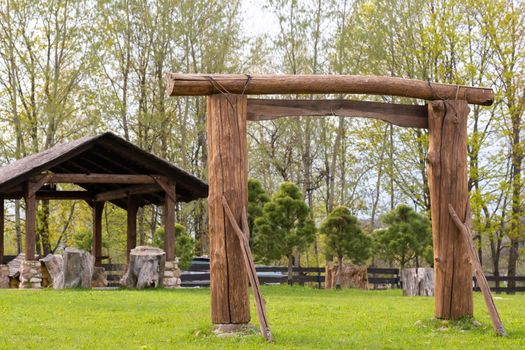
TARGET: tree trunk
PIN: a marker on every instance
(339, 272)
(290, 269)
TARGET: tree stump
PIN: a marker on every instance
(145, 268)
(53, 271)
(99, 279)
(78, 268)
(418, 282)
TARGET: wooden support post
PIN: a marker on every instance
(464, 228)
(447, 177)
(2, 226)
(31, 207)
(98, 209)
(228, 176)
(169, 223)
(132, 224)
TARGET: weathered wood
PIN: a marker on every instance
(464, 229)
(228, 176)
(54, 195)
(126, 192)
(414, 116)
(447, 178)
(96, 178)
(243, 235)
(31, 207)
(418, 282)
(2, 229)
(78, 268)
(169, 221)
(132, 225)
(98, 210)
(208, 84)
(145, 268)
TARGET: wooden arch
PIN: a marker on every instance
(228, 108)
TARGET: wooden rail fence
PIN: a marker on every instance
(198, 276)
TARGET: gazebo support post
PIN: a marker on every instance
(132, 224)
(227, 176)
(2, 229)
(169, 223)
(447, 177)
(31, 207)
(98, 209)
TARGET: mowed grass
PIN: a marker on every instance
(300, 317)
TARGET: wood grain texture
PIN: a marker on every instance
(126, 191)
(228, 176)
(169, 222)
(466, 234)
(208, 84)
(31, 207)
(96, 179)
(98, 209)
(2, 229)
(398, 114)
(132, 225)
(243, 236)
(447, 177)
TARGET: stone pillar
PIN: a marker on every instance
(171, 275)
(30, 274)
(4, 276)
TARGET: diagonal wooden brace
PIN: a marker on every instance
(250, 267)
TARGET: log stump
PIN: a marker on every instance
(418, 282)
(53, 271)
(99, 279)
(78, 268)
(145, 268)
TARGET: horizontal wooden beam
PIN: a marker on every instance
(55, 195)
(97, 178)
(398, 114)
(209, 84)
(126, 192)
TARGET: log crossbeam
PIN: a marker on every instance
(398, 114)
(95, 179)
(209, 84)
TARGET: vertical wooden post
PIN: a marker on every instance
(132, 224)
(98, 209)
(228, 177)
(447, 177)
(31, 207)
(169, 223)
(2, 229)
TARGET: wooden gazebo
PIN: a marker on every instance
(109, 169)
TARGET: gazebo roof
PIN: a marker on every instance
(106, 153)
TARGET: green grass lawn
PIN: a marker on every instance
(300, 318)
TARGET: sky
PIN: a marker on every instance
(258, 20)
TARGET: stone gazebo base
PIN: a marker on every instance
(171, 275)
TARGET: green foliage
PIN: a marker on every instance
(344, 236)
(184, 245)
(285, 227)
(407, 237)
(83, 240)
(257, 198)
